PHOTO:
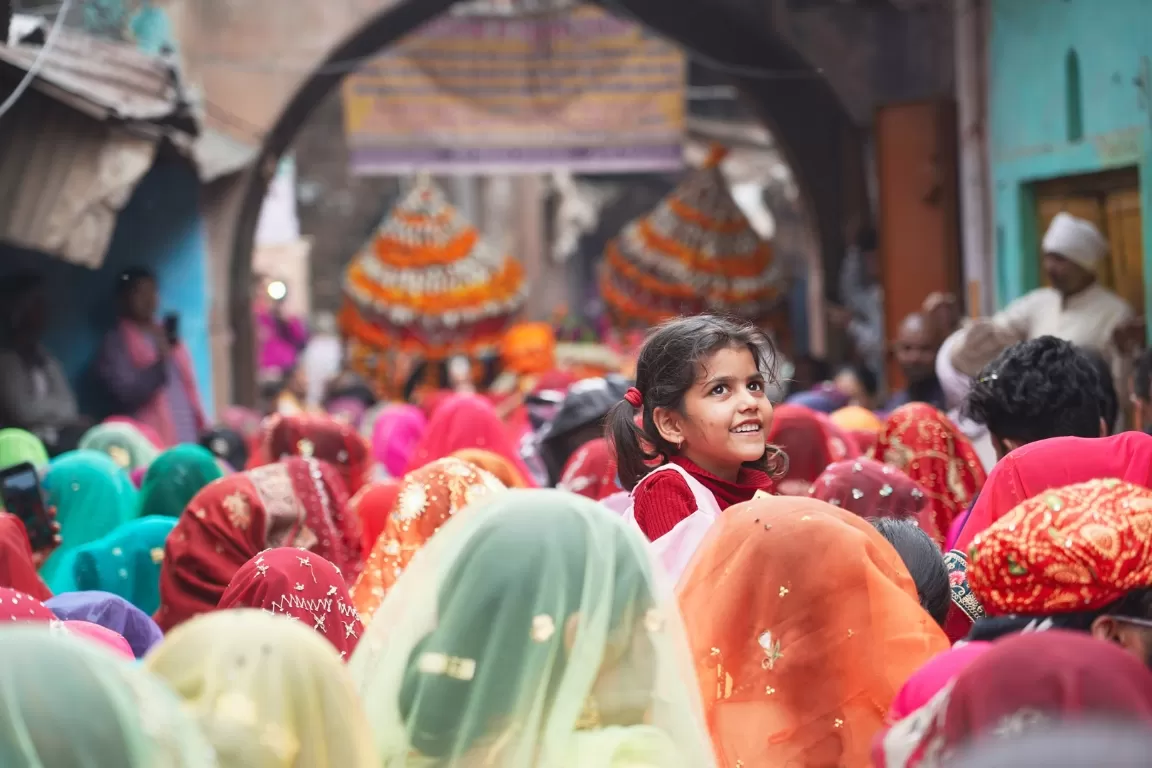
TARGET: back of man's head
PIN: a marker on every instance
(1039, 389)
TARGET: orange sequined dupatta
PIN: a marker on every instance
(428, 497)
(803, 624)
(922, 443)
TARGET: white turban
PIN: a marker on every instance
(1076, 240)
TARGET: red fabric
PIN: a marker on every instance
(591, 471)
(17, 570)
(555, 380)
(1027, 681)
(431, 401)
(1037, 467)
(301, 585)
(15, 606)
(297, 502)
(372, 506)
(865, 439)
(467, 421)
(662, 500)
(870, 489)
(1077, 548)
(156, 413)
(316, 435)
(808, 439)
(923, 444)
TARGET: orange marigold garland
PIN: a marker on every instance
(427, 286)
(696, 252)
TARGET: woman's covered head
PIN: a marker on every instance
(136, 294)
(700, 385)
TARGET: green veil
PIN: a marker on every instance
(532, 631)
(127, 446)
(92, 496)
(175, 477)
(18, 446)
(68, 702)
(126, 562)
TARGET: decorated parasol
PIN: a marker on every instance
(696, 252)
(425, 288)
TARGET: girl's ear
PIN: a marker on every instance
(670, 425)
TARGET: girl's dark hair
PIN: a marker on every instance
(668, 366)
(924, 562)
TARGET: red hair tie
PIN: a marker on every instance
(634, 398)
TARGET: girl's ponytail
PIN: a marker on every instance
(627, 442)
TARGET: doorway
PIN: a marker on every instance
(1111, 201)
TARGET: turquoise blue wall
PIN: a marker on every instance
(1028, 112)
(160, 228)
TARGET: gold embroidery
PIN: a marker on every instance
(239, 510)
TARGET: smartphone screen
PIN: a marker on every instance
(172, 327)
(22, 497)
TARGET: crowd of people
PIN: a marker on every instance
(668, 568)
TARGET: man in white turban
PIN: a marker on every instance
(1076, 307)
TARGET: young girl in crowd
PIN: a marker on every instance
(700, 385)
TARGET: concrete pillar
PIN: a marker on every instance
(977, 223)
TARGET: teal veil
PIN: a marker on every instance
(532, 630)
(175, 477)
(126, 562)
(68, 702)
(92, 496)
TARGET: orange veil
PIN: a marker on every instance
(803, 624)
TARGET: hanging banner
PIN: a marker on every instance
(579, 90)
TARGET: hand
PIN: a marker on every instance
(1130, 335)
(40, 555)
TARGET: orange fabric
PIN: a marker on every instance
(1077, 548)
(803, 624)
(855, 418)
(922, 443)
(372, 506)
(428, 497)
(504, 470)
(529, 349)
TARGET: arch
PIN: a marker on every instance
(812, 125)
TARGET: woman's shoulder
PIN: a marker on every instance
(664, 477)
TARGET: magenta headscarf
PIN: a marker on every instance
(395, 435)
(931, 678)
(101, 636)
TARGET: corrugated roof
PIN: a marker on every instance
(104, 78)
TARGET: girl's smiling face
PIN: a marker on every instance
(725, 417)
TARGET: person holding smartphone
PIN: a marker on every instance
(144, 366)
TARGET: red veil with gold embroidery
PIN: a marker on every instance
(803, 624)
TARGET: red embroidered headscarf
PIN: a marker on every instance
(319, 436)
(922, 443)
(810, 441)
(870, 489)
(294, 503)
(591, 471)
(467, 421)
(1037, 467)
(303, 586)
(372, 506)
(17, 571)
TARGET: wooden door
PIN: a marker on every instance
(919, 236)
(1111, 201)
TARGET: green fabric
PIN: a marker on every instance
(175, 477)
(92, 496)
(126, 562)
(123, 442)
(66, 702)
(18, 446)
(520, 614)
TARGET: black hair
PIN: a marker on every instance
(1038, 389)
(867, 240)
(132, 277)
(1142, 376)
(1137, 604)
(924, 562)
(1106, 389)
(226, 444)
(667, 368)
(864, 375)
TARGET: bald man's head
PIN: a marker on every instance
(916, 346)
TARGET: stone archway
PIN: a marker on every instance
(815, 131)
